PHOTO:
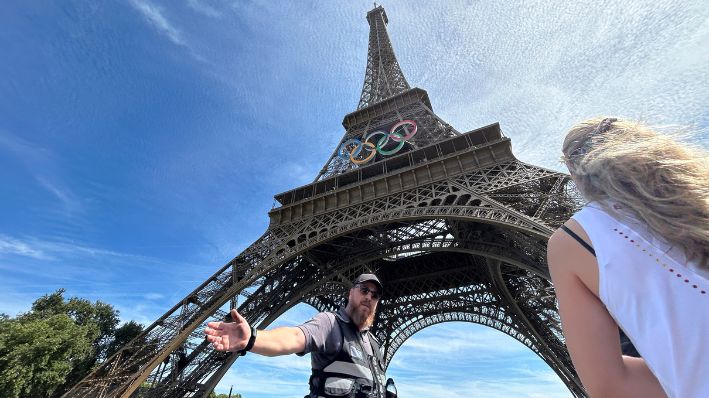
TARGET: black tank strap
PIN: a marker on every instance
(578, 239)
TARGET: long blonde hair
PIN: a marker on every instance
(660, 180)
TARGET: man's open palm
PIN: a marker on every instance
(229, 336)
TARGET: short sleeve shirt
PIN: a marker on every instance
(323, 338)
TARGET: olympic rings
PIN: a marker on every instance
(352, 148)
(409, 135)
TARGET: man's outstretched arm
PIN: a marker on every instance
(234, 336)
(279, 341)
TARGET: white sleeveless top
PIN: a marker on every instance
(659, 299)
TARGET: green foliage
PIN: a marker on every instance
(122, 336)
(215, 395)
(37, 355)
(101, 315)
(50, 348)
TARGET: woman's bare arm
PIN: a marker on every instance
(591, 333)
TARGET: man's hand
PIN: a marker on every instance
(229, 336)
(233, 336)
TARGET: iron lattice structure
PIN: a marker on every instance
(453, 224)
(383, 78)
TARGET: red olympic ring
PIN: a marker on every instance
(352, 148)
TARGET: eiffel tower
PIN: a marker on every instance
(452, 223)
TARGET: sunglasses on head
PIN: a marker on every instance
(365, 290)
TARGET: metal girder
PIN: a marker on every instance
(383, 77)
(454, 225)
(418, 224)
(299, 280)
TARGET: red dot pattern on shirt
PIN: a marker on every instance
(621, 233)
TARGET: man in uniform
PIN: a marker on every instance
(345, 356)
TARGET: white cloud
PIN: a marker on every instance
(204, 8)
(294, 174)
(70, 202)
(155, 16)
(46, 168)
(285, 376)
(47, 249)
(14, 246)
(474, 361)
(98, 271)
(541, 68)
(457, 386)
(449, 340)
(154, 296)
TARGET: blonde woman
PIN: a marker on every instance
(635, 257)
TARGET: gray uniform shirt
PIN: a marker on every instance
(323, 337)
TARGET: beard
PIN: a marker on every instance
(362, 316)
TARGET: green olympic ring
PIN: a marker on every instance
(352, 148)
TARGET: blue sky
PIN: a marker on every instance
(142, 141)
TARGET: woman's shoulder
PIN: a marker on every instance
(562, 246)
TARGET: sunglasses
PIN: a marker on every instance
(365, 290)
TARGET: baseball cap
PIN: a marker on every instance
(370, 278)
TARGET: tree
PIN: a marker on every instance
(98, 319)
(122, 336)
(83, 312)
(215, 395)
(50, 348)
(37, 355)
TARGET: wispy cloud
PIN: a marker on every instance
(204, 8)
(448, 340)
(285, 376)
(463, 360)
(153, 296)
(18, 146)
(32, 266)
(154, 15)
(89, 267)
(10, 245)
(464, 387)
(537, 83)
(71, 203)
(46, 249)
(46, 168)
(293, 174)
